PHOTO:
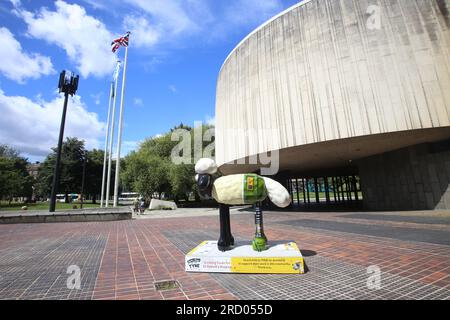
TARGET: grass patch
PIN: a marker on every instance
(16, 206)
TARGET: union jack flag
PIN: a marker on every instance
(122, 41)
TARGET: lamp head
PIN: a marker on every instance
(68, 82)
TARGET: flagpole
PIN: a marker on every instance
(119, 139)
(105, 158)
(111, 137)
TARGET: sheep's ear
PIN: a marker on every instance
(206, 166)
(277, 193)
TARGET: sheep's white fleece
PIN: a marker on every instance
(229, 189)
(277, 193)
(206, 166)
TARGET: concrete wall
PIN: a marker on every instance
(317, 73)
(83, 215)
(413, 178)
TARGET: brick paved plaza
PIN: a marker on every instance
(124, 259)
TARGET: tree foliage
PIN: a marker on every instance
(94, 172)
(73, 155)
(15, 180)
(150, 170)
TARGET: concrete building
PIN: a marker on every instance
(354, 96)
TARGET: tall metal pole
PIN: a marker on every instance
(111, 139)
(58, 156)
(105, 157)
(119, 139)
(83, 178)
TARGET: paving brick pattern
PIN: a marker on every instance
(413, 219)
(39, 269)
(124, 259)
(326, 279)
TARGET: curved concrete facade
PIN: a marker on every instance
(324, 84)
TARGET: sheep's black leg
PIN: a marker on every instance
(226, 240)
(228, 228)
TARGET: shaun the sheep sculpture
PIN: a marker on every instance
(239, 189)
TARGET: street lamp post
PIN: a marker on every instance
(68, 83)
(83, 178)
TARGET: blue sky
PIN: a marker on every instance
(176, 50)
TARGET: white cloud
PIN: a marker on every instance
(204, 18)
(138, 102)
(33, 126)
(156, 25)
(18, 65)
(85, 39)
(127, 147)
(211, 121)
(171, 15)
(97, 98)
(96, 4)
(15, 2)
(173, 88)
(176, 17)
(143, 34)
(164, 21)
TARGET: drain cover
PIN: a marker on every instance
(166, 285)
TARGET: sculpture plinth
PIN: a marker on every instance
(223, 256)
(281, 258)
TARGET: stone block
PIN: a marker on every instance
(156, 204)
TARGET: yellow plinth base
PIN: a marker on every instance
(283, 258)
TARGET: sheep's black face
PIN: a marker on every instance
(205, 183)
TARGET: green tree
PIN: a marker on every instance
(182, 180)
(159, 146)
(146, 175)
(94, 173)
(153, 179)
(150, 170)
(43, 184)
(15, 180)
(8, 152)
(72, 158)
(71, 169)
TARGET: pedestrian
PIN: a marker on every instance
(142, 206)
(136, 205)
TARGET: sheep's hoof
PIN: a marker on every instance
(224, 248)
(259, 244)
(224, 245)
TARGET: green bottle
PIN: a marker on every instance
(259, 242)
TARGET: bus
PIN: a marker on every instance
(127, 198)
(62, 197)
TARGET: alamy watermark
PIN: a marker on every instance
(245, 144)
(374, 20)
(74, 280)
(374, 280)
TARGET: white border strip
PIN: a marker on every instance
(264, 25)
